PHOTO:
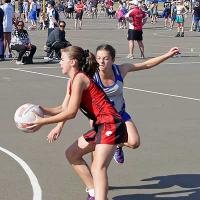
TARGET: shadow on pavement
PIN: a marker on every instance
(189, 182)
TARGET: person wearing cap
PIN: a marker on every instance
(137, 18)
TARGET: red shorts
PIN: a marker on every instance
(107, 133)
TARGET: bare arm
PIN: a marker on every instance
(125, 68)
(52, 111)
(58, 109)
(56, 131)
(73, 105)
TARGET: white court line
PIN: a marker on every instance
(180, 55)
(51, 75)
(4, 68)
(37, 192)
(164, 94)
(128, 88)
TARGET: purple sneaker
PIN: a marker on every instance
(90, 197)
(119, 155)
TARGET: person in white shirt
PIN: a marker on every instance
(53, 16)
(7, 24)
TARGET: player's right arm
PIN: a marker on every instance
(58, 128)
(58, 109)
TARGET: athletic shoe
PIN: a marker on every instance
(129, 56)
(119, 155)
(90, 197)
(177, 35)
(9, 55)
(48, 59)
(182, 34)
(19, 63)
(57, 58)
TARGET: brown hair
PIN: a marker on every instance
(86, 60)
(108, 48)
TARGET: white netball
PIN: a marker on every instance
(24, 115)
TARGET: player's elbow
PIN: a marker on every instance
(72, 115)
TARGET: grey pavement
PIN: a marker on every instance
(164, 103)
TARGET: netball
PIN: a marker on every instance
(24, 115)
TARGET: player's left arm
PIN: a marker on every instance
(125, 68)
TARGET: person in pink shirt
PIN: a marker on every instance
(137, 18)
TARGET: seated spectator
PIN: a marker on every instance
(56, 41)
(21, 43)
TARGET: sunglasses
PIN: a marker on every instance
(62, 25)
(20, 25)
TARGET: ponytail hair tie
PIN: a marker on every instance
(86, 53)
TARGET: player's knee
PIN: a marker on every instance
(71, 155)
(134, 144)
(97, 170)
(68, 155)
(92, 169)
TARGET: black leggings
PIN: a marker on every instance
(57, 46)
(21, 49)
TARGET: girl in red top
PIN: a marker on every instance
(79, 7)
(109, 128)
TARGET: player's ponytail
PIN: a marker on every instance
(89, 64)
(86, 60)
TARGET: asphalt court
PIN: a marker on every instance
(163, 101)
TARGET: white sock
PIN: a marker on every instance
(91, 192)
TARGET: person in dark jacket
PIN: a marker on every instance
(1, 35)
(56, 41)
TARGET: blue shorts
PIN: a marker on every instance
(125, 116)
(32, 15)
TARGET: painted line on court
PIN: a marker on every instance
(181, 63)
(183, 54)
(8, 68)
(37, 192)
(128, 88)
(164, 94)
(39, 73)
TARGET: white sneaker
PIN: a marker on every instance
(9, 55)
(129, 56)
(19, 63)
(48, 58)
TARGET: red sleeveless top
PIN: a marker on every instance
(96, 105)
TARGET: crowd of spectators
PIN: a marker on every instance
(13, 36)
